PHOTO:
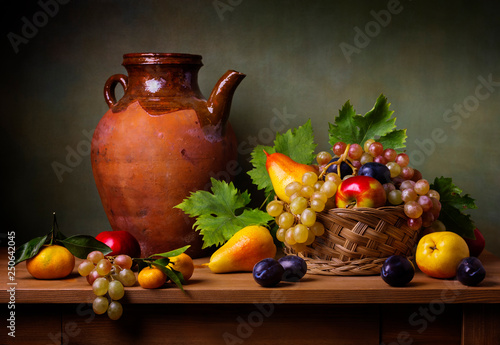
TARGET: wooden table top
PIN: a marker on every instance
(208, 288)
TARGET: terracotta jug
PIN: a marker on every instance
(159, 142)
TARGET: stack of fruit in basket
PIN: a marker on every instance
(356, 176)
(369, 177)
(362, 173)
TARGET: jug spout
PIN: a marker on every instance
(219, 102)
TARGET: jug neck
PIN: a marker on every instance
(163, 75)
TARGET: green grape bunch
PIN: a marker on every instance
(108, 277)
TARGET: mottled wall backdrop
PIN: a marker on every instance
(438, 64)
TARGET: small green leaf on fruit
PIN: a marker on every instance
(29, 249)
(163, 261)
(81, 245)
(170, 274)
(140, 264)
(172, 253)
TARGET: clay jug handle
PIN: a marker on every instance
(109, 88)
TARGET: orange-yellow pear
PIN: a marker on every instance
(283, 170)
(247, 247)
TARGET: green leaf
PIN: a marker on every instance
(171, 274)
(29, 249)
(394, 140)
(59, 236)
(140, 264)
(457, 221)
(452, 206)
(163, 261)
(81, 245)
(218, 229)
(224, 198)
(451, 194)
(172, 253)
(179, 275)
(222, 213)
(345, 127)
(376, 124)
(259, 174)
(298, 144)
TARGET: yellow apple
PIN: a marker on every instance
(439, 253)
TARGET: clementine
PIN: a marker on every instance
(151, 278)
(51, 262)
(182, 263)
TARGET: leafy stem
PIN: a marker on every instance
(78, 245)
(161, 262)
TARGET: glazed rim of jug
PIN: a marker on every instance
(160, 58)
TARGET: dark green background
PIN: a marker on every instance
(427, 58)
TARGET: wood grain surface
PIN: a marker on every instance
(206, 287)
(233, 309)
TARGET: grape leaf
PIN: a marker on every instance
(451, 194)
(259, 174)
(298, 144)
(345, 127)
(394, 140)
(222, 213)
(376, 124)
(452, 206)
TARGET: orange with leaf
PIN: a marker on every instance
(53, 256)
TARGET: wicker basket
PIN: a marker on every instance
(358, 240)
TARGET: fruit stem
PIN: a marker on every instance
(267, 197)
(54, 226)
(351, 204)
(342, 158)
(323, 172)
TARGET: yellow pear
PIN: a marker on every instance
(283, 170)
(247, 247)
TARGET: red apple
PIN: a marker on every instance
(360, 191)
(476, 246)
(121, 242)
